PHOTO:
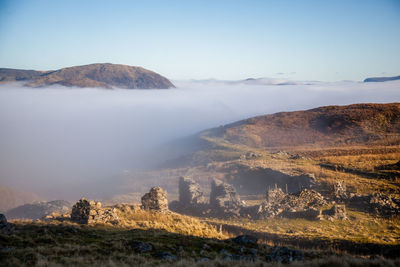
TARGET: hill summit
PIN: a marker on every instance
(103, 75)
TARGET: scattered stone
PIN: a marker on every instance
(89, 211)
(245, 240)
(165, 255)
(224, 200)
(140, 247)
(285, 255)
(5, 227)
(155, 200)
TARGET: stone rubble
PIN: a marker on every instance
(305, 204)
(89, 211)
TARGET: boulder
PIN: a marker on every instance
(155, 200)
(140, 246)
(89, 211)
(189, 192)
(224, 200)
(5, 227)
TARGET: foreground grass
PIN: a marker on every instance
(68, 244)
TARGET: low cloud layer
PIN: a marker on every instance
(57, 142)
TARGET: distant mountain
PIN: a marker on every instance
(10, 198)
(38, 210)
(103, 75)
(381, 79)
(359, 124)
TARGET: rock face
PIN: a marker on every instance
(103, 75)
(189, 192)
(89, 211)
(155, 200)
(5, 227)
(224, 200)
(305, 204)
(39, 210)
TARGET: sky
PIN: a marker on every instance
(229, 40)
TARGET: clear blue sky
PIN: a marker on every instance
(312, 40)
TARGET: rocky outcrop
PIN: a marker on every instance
(155, 200)
(224, 200)
(89, 211)
(39, 210)
(5, 227)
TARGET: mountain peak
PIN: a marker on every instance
(103, 75)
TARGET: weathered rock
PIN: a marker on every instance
(285, 255)
(245, 240)
(189, 192)
(224, 200)
(155, 200)
(5, 227)
(89, 211)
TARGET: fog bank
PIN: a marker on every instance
(63, 143)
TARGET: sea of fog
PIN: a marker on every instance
(64, 143)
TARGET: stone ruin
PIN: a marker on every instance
(340, 191)
(224, 200)
(89, 211)
(377, 204)
(155, 200)
(189, 192)
(5, 227)
(305, 204)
